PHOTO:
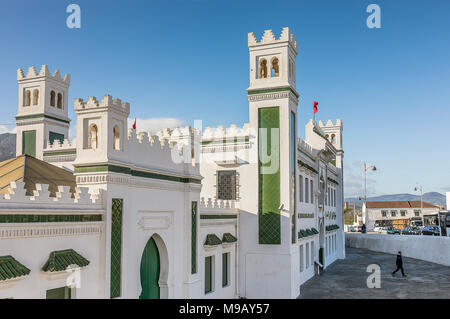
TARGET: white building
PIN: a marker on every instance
(398, 214)
(222, 213)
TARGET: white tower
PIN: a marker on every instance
(273, 102)
(42, 113)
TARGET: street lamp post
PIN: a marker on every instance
(419, 188)
(367, 168)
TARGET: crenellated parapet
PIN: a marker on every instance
(269, 38)
(44, 72)
(16, 196)
(107, 102)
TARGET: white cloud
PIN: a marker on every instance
(4, 129)
(155, 124)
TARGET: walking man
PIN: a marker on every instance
(399, 264)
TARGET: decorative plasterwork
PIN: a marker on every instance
(50, 230)
(152, 220)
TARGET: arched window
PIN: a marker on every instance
(116, 140)
(333, 139)
(263, 69)
(275, 68)
(59, 105)
(327, 136)
(35, 97)
(52, 98)
(93, 136)
(27, 98)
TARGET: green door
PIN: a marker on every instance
(29, 143)
(150, 271)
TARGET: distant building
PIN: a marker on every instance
(396, 213)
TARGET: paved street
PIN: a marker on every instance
(347, 278)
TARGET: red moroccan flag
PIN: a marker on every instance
(315, 107)
(134, 124)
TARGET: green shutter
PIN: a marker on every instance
(29, 143)
(225, 260)
(208, 274)
(194, 239)
(269, 219)
(59, 293)
(56, 136)
(116, 247)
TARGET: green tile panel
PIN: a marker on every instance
(212, 240)
(34, 218)
(10, 268)
(61, 259)
(228, 238)
(116, 248)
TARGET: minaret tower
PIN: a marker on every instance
(273, 101)
(270, 243)
(42, 112)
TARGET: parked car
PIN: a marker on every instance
(431, 231)
(391, 230)
(411, 231)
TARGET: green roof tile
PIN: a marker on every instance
(228, 238)
(212, 240)
(11, 268)
(60, 260)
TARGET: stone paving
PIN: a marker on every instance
(347, 278)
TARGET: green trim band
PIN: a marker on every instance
(19, 219)
(282, 89)
(60, 153)
(218, 216)
(36, 116)
(129, 171)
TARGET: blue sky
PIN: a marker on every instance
(188, 60)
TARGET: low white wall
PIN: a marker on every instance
(428, 248)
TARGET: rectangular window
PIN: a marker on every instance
(393, 213)
(403, 213)
(116, 248)
(301, 258)
(29, 143)
(226, 185)
(59, 293)
(335, 202)
(312, 191)
(313, 253)
(225, 269)
(384, 213)
(300, 183)
(209, 274)
(306, 189)
(307, 255)
(417, 212)
(194, 238)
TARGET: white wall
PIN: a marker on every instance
(428, 248)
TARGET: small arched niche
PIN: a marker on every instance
(93, 136)
(116, 137)
(52, 98)
(27, 98)
(60, 103)
(275, 71)
(263, 69)
(35, 97)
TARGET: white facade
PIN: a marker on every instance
(204, 199)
